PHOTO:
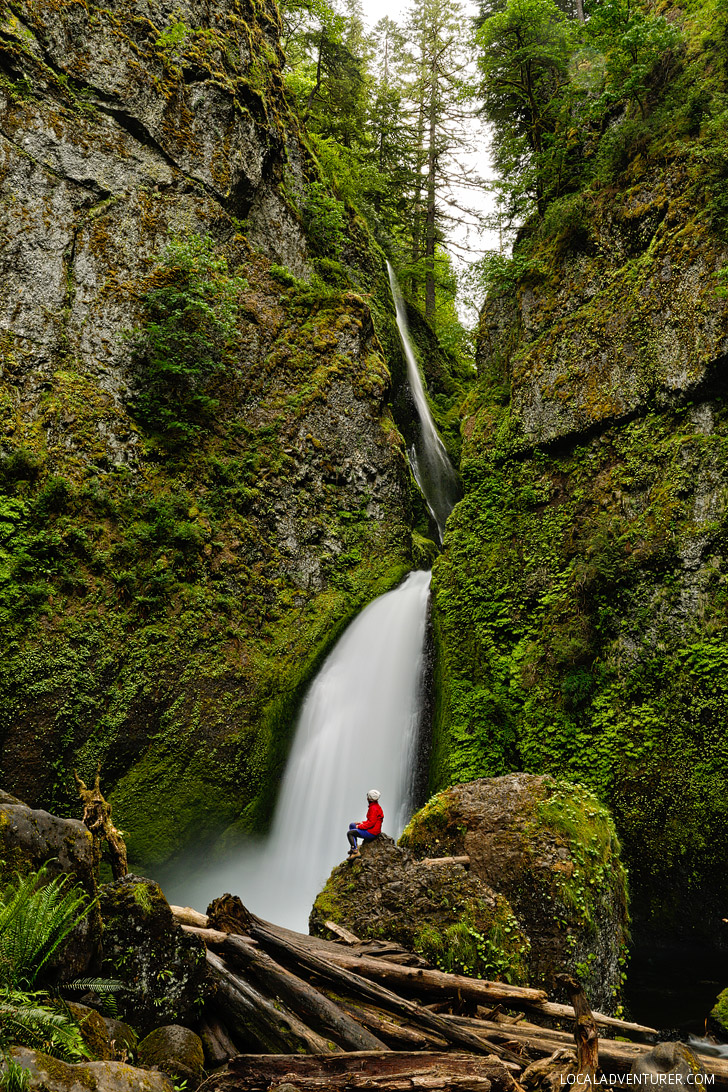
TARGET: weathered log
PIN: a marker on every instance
(390, 1072)
(97, 818)
(372, 991)
(433, 862)
(415, 979)
(219, 1047)
(566, 1012)
(342, 933)
(303, 999)
(211, 937)
(185, 915)
(398, 1036)
(228, 915)
(586, 1036)
(254, 1020)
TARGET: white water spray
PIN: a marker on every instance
(433, 471)
(357, 730)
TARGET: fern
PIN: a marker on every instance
(35, 919)
(104, 988)
(25, 1019)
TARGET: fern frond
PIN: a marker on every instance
(25, 1020)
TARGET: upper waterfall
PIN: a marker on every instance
(431, 466)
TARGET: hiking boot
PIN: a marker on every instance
(354, 853)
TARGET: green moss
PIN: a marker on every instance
(434, 830)
(719, 1012)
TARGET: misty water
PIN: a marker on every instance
(358, 728)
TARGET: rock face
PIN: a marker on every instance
(30, 839)
(51, 1075)
(165, 606)
(579, 609)
(450, 916)
(162, 967)
(550, 849)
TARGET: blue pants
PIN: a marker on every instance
(353, 833)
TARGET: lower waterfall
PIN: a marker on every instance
(357, 730)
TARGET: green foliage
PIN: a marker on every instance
(462, 949)
(15, 1078)
(323, 218)
(36, 917)
(187, 335)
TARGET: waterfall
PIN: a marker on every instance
(357, 729)
(431, 466)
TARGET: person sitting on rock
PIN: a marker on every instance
(368, 828)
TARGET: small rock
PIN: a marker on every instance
(123, 1038)
(177, 1051)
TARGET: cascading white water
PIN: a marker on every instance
(357, 728)
(433, 471)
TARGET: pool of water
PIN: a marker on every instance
(674, 988)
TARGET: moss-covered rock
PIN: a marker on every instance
(33, 839)
(447, 914)
(47, 1074)
(162, 967)
(551, 850)
(175, 1050)
(717, 1022)
(94, 1031)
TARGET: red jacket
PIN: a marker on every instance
(374, 819)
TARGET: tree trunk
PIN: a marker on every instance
(254, 1020)
(391, 1072)
(97, 817)
(303, 999)
(361, 987)
(585, 1029)
(397, 1036)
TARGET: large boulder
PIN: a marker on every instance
(669, 1064)
(30, 839)
(444, 912)
(163, 967)
(51, 1075)
(551, 849)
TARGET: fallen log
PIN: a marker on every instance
(432, 862)
(372, 991)
(185, 915)
(255, 1021)
(342, 933)
(566, 1012)
(397, 1036)
(390, 1072)
(303, 999)
(417, 979)
(219, 1047)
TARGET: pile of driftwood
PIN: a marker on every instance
(290, 1008)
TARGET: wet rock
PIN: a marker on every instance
(51, 1075)
(162, 967)
(673, 1058)
(717, 1022)
(32, 838)
(175, 1050)
(452, 917)
(551, 850)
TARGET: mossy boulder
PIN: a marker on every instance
(551, 850)
(47, 1074)
(31, 839)
(162, 967)
(449, 915)
(675, 1059)
(175, 1050)
(94, 1031)
(123, 1038)
(717, 1022)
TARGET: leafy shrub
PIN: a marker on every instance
(324, 220)
(187, 335)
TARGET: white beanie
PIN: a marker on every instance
(373, 794)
